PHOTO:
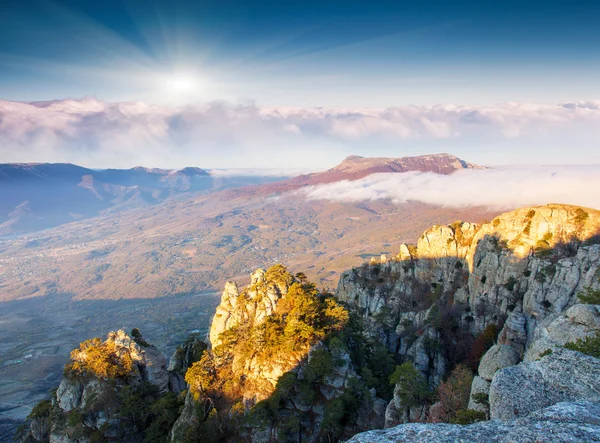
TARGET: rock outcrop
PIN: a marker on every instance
(562, 423)
(521, 272)
(87, 401)
(270, 356)
(252, 306)
(497, 357)
(578, 322)
(561, 376)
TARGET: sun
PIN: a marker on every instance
(182, 84)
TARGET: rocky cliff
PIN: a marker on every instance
(277, 368)
(496, 321)
(102, 392)
(490, 297)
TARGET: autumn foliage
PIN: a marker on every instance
(102, 359)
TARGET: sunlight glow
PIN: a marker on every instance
(182, 83)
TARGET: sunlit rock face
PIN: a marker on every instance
(91, 392)
(252, 306)
(519, 271)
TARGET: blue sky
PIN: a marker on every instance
(309, 53)
(303, 84)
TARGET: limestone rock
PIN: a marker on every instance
(578, 322)
(478, 386)
(562, 423)
(497, 357)
(155, 370)
(561, 376)
(68, 394)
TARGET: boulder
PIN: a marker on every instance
(530, 386)
(578, 322)
(563, 422)
(478, 386)
(497, 357)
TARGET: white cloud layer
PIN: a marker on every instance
(260, 172)
(101, 134)
(498, 188)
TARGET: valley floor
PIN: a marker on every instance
(37, 335)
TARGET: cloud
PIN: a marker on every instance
(498, 188)
(260, 172)
(218, 134)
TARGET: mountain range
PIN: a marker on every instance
(42, 195)
(191, 242)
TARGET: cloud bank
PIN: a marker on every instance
(498, 188)
(101, 134)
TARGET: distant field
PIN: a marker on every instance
(195, 244)
(37, 335)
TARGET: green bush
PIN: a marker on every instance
(591, 297)
(589, 345)
(481, 399)
(546, 352)
(74, 418)
(468, 416)
(412, 387)
(41, 410)
(320, 364)
(510, 284)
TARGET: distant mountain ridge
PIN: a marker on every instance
(37, 196)
(42, 195)
(356, 167)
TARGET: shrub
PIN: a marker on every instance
(101, 359)
(581, 217)
(542, 249)
(74, 418)
(137, 337)
(588, 345)
(510, 284)
(320, 364)
(468, 416)
(591, 297)
(546, 352)
(454, 392)
(41, 410)
(481, 399)
(412, 387)
(484, 341)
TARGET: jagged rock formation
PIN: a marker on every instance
(274, 365)
(183, 357)
(88, 403)
(561, 423)
(287, 363)
(519, 272)
(257, 302)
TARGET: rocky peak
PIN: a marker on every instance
(437, 163)
(252, 305)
